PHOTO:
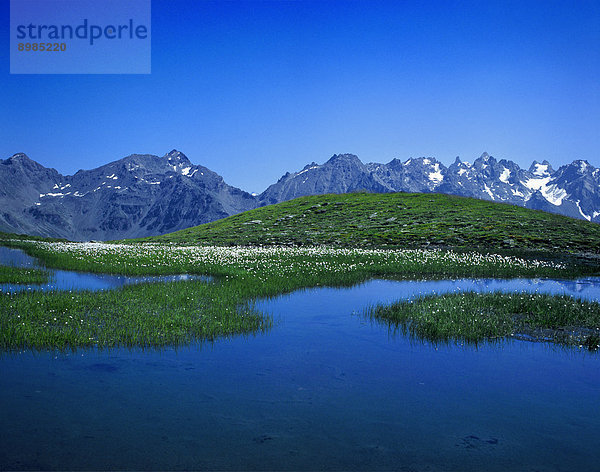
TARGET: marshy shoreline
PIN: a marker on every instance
(178, 313)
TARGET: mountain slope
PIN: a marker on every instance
(21, 182)
(144, 195)
(342, 173)
(138, 195)
(396, 220)
(572, 190)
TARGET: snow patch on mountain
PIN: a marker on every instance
(307, 169)
(489, 192)
(536, 184)
(436, 176)
(554, 194)
(505, 175)
(589, 218)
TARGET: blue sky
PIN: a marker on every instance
(254, 89)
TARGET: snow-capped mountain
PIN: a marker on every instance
(572, 190)
(342, 173)
(143, 195)
(139, 195)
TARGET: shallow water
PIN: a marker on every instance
(73, 280)
(324, 389)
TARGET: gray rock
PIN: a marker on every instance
(139, 195)
(144, 195)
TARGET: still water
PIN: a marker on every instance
(72, 280)
(325, 389)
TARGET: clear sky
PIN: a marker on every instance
(254, 89)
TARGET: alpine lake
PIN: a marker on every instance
(325, 388)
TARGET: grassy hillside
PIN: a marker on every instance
(396, 220)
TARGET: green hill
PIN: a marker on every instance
(396, 220)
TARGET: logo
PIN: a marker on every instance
(80, 37)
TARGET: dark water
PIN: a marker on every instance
(324, 390)
(71, 280)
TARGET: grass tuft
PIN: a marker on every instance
(474, 317)
(147, 315)
(16, 275)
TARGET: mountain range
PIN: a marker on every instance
(144, 195)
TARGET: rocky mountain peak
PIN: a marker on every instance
(19, 157)
(312, 165)
(350, 158)
(485, 162)
(486, 158)
(20, 162)
(541, 169)
(583, 165)
(176, 155)
(395, 161)
(421, 161)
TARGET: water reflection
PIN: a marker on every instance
(16, 258)
(324, 390)
(587, 288)
(72, 280)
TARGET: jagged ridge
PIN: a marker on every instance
(572, 190)
(144, 195)
(139, 195)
